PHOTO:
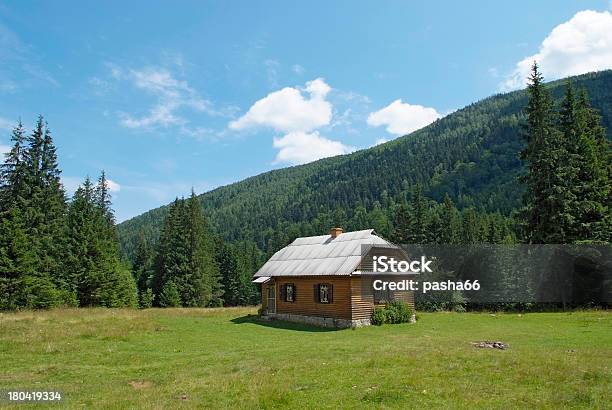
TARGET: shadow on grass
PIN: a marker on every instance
(280, 324)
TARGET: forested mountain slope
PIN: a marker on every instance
(471, 155)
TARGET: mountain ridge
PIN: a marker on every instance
(470, 154)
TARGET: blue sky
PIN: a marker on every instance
(165, 97)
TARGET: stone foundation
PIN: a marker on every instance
(328, 322)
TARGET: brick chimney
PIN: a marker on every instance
(335, 232)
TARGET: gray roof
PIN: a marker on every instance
(321, 255)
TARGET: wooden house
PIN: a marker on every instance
(322, 280)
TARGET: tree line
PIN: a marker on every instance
(52, 251)
(203, 250)
(56, 251)
(568, 194)
(191, 267)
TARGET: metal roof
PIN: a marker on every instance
(321, 255)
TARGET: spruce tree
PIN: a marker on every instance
(185, 256)
(418, 212)
(401, 232)
(99, 276)
(469, 228)
(17, 260)
(546, 202)
(450, 223)
(142, 269)
(13, 189)
(227, 262)
(590, 156)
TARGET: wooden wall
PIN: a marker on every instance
(349, 302)
(305, 303)
(362, 304)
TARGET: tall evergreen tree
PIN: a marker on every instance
(546, 212)
(227, 261)
(185, 256)
(143, 265)
(98, 275)
(589, 181)
(401, 232)
(13, 171)
(450, 234)
(418, 213)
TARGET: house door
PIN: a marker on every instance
(272, 298)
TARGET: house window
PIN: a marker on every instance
(324, 293)
(289, 292)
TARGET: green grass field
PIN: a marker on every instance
(220, 358)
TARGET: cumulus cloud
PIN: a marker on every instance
(3, 150)
(580, 45)
(300, 147)
(297, 113)
(402, 118)
(288, 110)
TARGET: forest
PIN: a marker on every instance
(471, 155)
(531, 166)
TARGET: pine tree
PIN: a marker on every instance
(13, 189)
(53, 202)
(103, 198)
(142, 269)
(450, 223)
(228, 266)
(469, 228)
(185, 256)
(590, 157)
(169, 295)
(418, 212)
(99, 276)
(16, 260)
(547, 202)
(30, 190)
(401, 233)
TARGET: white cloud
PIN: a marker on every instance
(71, 184)
(297, 113)
(287, 110)
(172, 95)
(300, 147)
(3, 150)
(380, 141)
(403, 118)
(580, 45)
(113, 186)
(174, 98)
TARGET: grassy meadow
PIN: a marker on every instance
(218, 358)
